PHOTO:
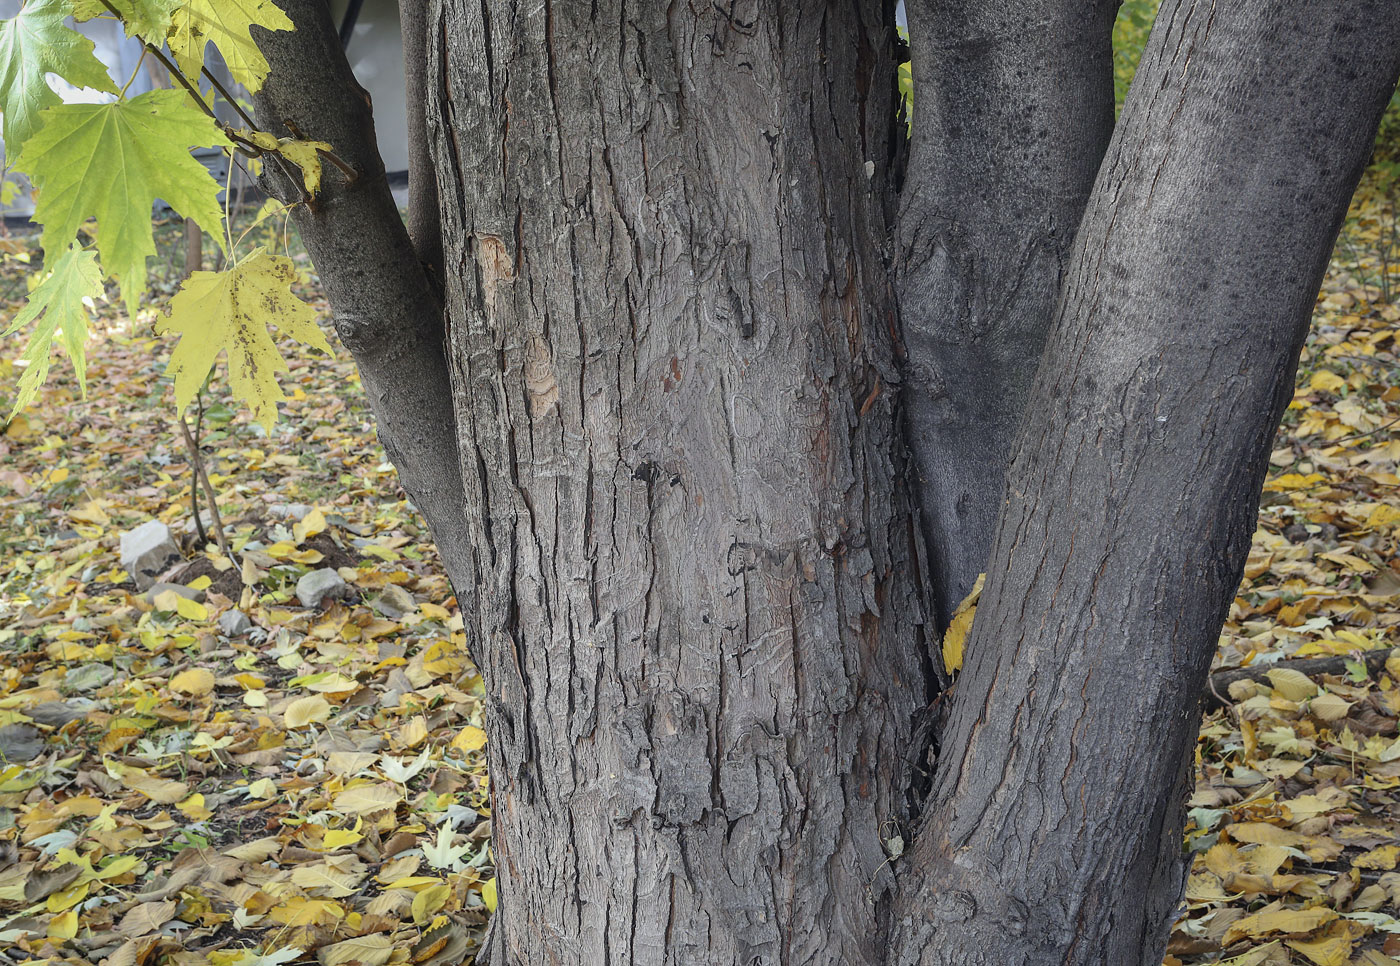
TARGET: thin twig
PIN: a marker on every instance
(228, 98)
(1347, 439)
(198, 462)
(252, 149)
(194, 477)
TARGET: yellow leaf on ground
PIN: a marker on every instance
(429, 901)
(307, 912)
(196, 682)
(64, 926)
(469, 738)
(413, 732)
(309, 525)
(373, 950)
(1272, 920)
(305, 711)
(1327, 381)
(1383, 858)
(1291, 684)
(333, 683)
(1332, 948)
(367, 798)
(193, 808)
(162, 791)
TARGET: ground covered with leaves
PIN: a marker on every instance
(210, 771)
(307, 785)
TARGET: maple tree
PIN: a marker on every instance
(659, 438)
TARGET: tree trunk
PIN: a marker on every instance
(657, 438)
(699, 614)
(1013, 108)
(1054, 833)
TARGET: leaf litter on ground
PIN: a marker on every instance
(285, 785)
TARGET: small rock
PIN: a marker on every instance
(394, 602)
(204, 518)
(89, 677)
(234, 623)
(148, 551)
(293, 511)
(320, 584)
(160, 587)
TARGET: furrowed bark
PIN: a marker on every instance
(1013, 108)
(387, 309)
(699, 620)
(1054, 831)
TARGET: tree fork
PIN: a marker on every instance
(1054, 833)
(387, 309)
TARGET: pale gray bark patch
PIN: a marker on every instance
(700, 614)
(1054, 832)
(1013, 108)
(387, 309)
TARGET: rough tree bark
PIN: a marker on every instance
(1053, 834)
(671, 349)
(652, 417)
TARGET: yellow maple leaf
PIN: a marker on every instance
(229, 312)
(227, 23)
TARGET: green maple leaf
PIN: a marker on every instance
(230, 311)
(147, 19)
(227, 23)
(32, 44)
(57, 302)
(112, 161)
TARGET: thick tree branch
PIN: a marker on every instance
(1218, 694)
(1053, 834)
(1013, 108)
(424, 224)
(387, 310)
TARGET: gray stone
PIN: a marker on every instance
(234, 623)
(89, 677)
(147, 552)
(293, 511)
(316, 586)
(160, 587)
(394, 602)
(205, 518)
